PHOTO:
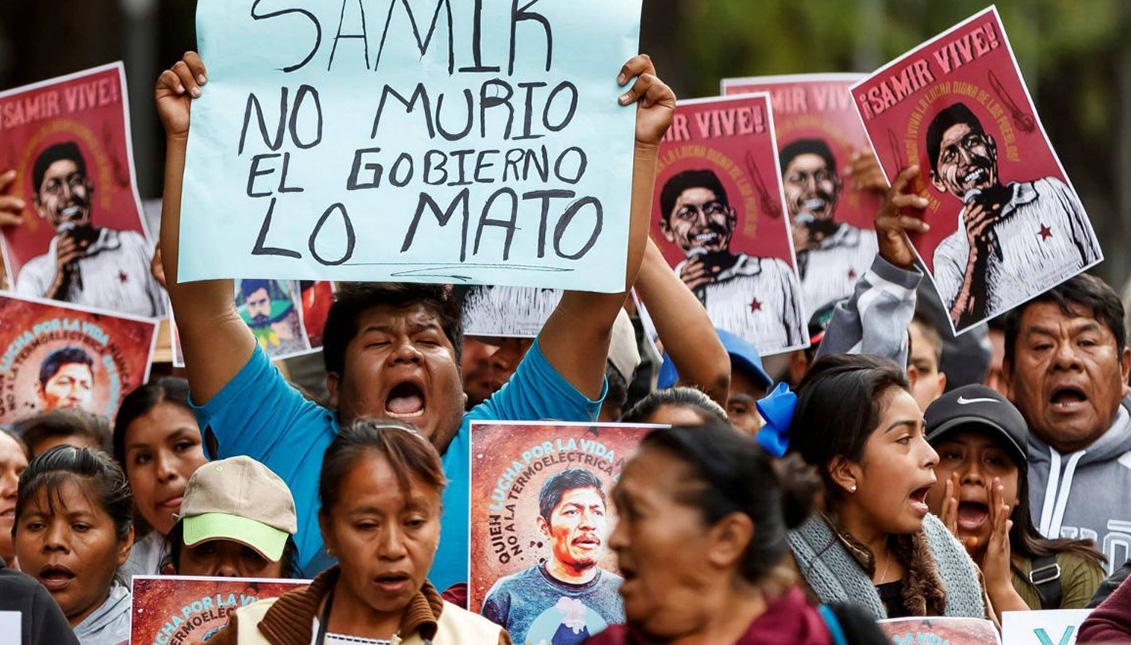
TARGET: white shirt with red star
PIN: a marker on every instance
(113, 275)
(830, 272)
(757, 300)
(1043, 238)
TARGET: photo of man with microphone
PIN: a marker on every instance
(85, 264)
(1013, 240)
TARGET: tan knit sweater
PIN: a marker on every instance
(290, 619)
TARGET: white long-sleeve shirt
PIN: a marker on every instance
(831, 271)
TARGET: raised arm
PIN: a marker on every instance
(575, 339)
(684, 327)
(215, 340)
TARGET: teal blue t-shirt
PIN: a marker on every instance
(260, 415)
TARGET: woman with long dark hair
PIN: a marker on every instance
(982, 496)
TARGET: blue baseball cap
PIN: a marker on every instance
(743, 356)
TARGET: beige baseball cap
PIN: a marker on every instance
(239, 499)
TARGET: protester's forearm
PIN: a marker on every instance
(683, 326)
(1005, 598)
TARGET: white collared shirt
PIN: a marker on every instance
(831, 271)
(1043, 238)
(113, 275)
(757, 300)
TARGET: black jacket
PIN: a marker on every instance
(41, 620)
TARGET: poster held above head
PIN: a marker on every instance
(507, 312)
(818, 133)
(718, 217)
(541, 515)
(58, 356)
(1006, 224)
(83, 239)
(487, 147)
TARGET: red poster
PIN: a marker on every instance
(285, 316)
(178, 610)
(719, 218)
(83, 240)
(56, 356)
(1006, 223)
(817, 133)
(541, 515)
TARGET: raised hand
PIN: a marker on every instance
(892, 225)
(11, 208)
(176, 88)
(949, 514)
(865, 172)
(655, 100)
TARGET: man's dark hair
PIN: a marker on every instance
(931, 333)
(945, 120)
(687, 180)
(1083, 292)
(676, 397)
(354, 299)
(808, 147)
(64, 423)
(60, 357)
(248, 287)
(556, 487)
(67, 150)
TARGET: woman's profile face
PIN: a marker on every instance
(385, 538)
(897, 469)
(661, 546)
(163, 449)
(226, 559)
(69, 544)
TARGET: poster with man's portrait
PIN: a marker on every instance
(1006, 224)
(506, 312)
(286, 317)
(720, 220)
(83, 240)
(57, 356)
(940, 629)
(541, 515)
(179, 610)
(818, 133)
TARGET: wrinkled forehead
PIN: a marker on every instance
(956, 133)
(587, 496)
(1048, 318)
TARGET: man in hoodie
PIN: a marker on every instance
(1066, 366)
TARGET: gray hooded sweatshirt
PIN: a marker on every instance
(110, 623)
(1086, 494)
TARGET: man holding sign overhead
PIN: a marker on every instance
(391, 350)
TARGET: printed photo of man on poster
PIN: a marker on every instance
(84, 263)
(1007, 235)
(268, 308)
(752, 297)
(66, 380)
(529, 604)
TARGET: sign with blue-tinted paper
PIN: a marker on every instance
(468, 141)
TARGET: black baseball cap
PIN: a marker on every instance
(977, 407)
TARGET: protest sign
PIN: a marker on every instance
(540, 495)
(322, 149)
(1006, 223)
(285, 316)
(177, 610)
(818, 132)
(507, 312)
(940, 631)
(83, 239)
(11, 628)
(1046, 627)
(58, 356)
(718, 218)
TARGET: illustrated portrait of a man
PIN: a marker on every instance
(66, 380)
(566, 598)
(85, 264)
(1013, 241)
(831, 255)
(272, 316)
(748, 296)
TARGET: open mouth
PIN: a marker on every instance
(172, 502)
(972, 515)
(8, 514)
(587, 542)
(813, 204)
(919, 500)
(975, 176)
(405, 401)
(703, 239)
(392, 581)
(55, 577)
(1067, 399)
(71, 212)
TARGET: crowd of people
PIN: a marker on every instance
(865, 482)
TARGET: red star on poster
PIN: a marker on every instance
(852, 274)
(1045, 232)
(755, 305)
(122, 277)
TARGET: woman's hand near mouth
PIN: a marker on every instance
(996, 560)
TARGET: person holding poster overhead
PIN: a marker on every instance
(1010, 237)
(391, 350)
